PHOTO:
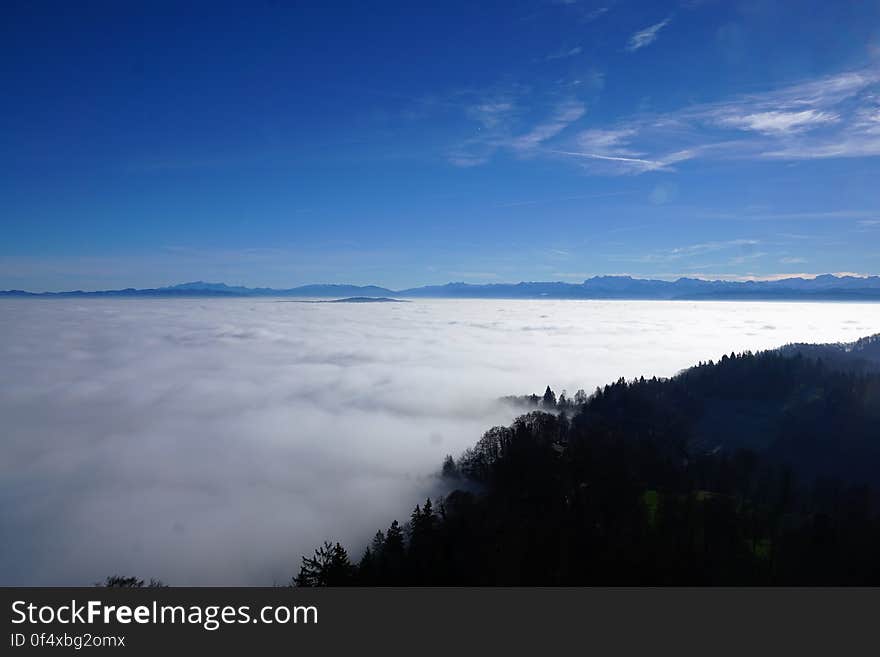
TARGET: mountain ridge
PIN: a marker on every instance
(826, 287)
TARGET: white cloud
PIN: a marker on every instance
(611, 148)
(834, 116)
(606, 141)
(626, 164)
(564, 115)
(491, 112)
(776, 122)
(646, 36)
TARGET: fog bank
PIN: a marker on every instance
(213, 441)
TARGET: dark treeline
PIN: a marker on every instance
(549, 401)
(757, 469)
(121, 582)
(863, 355)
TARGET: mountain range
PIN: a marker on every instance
(826, 287)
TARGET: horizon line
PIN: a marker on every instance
(731, 279)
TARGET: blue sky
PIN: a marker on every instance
(275, 143)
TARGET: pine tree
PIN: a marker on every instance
(450, 470)
(394, 555)
(366, 570)
(329, 567)
(422, 547)
(549, 400)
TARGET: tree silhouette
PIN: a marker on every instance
(549, 399)
(329, 567)
(120, 582)
(450, 469)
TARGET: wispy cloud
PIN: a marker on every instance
(830, 117)
(564, 53)
(605, 142)
(504, 128)
(776, 122)
(710, 247)
(834, 116)
(467, 160)
(744, 250)
(612, 147)
(646, 36)
(490, 113)
(630, 164)
(596, 13)
(563, 116)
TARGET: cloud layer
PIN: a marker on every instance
(215, 441)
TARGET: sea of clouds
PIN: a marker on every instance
(208, 441)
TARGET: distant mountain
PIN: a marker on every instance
(127, 292)
(822, 288)
(203, 289)
(348, 300)
(826, 287)
(302, 291)
(366, 300)
(220, 288)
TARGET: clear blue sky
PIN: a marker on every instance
(275, 143)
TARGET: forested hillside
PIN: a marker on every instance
(861, 355)
(757, 469)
